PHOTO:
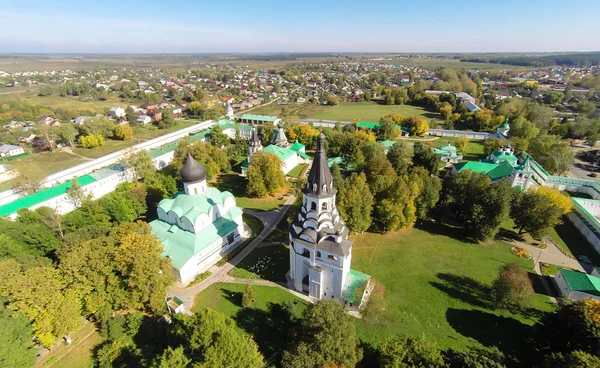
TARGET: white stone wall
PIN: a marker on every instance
(585, 231)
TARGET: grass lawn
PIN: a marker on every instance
(370, 111)
(236, 184)
(77, 355)
(268, 263)
(280, 233)
(301, 110)
(57, 102)
(256, 226)
(40, 165)
(140, 134)
(263, 320)
(438, 285)
(296, 171)
(473, 151)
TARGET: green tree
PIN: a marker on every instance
(197, 108)
(123, 132)
(327, 338)
(168, 120)
(141, 164)
(555, 155)
(387, 131)
(401, 157)
(97, 126)
(429, 193)
(355, 202)
(214, 159)
(172, 358)
(217, 137)
(512, 288)
(15, 346)
(574, 359)
(492, 145)
(91, 140)
(39, 294)
(417, 125)
(380, 173)
(402, 351)
(396, 207)
(67, 133)
(211, 339)
(535, 214)
(248, 297)
(470, 199)
(130, 115)
(264, 174)
(426, 158)
(476, 358)
(148, 275)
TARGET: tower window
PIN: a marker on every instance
(195, 190)
(315, 187)
(318, 254)
(332, 257)
(313, 206)
(306, 253)
(324, 206)
(324, 188)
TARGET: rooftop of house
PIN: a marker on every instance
(259, 117)
(493, 171)
(582, 282)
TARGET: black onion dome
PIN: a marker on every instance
(319, 177)
(192, 171)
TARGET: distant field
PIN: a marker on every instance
(38, 166)
(454, 64)
(302, 110)
(58, 102)
(370, 111)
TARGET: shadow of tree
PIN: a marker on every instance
(509, 335)
(508, 235)
(464, 288)
(235, 297)
(448, 230)
(272, 329)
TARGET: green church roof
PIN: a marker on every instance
(192, 206)
(281, 153)
(493, 171)
(181, 245)
(297, 146)
(505, 124)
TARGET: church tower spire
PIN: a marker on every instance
(320, 180)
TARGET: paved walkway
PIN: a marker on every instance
(270, 220)
(553, 256)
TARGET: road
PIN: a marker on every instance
(270, 221)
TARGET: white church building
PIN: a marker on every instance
(198, 226)
(320, 252)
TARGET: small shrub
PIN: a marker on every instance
(248, 298)
(512, 288)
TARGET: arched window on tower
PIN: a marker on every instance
(324, 188)
(313, 206)
(324, 206)
(314, 187)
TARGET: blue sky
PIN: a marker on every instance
(284, 26)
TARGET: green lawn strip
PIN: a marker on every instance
(302, 110)
(297, 171)
(263, 320)
(267, 263)
(236, 184)
(257, 227)
(473, 151)
(80, 352)
(370, 112)
(438, 286)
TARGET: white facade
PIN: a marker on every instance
(320, 252)
(564, 289)
(8, 150)
(116, 112)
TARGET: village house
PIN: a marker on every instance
(9, 150)
(116, 112)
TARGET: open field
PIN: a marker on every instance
(236, 184)
(57, 102)
(454, 64)
(473, 151)
(438, 285)
(370, 111)
(39, 165)
(303, 111)
(264, 320)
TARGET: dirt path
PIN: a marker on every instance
(69, 150)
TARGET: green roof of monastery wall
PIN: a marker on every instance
(259, 117)
(42, 196)
(583, 282)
